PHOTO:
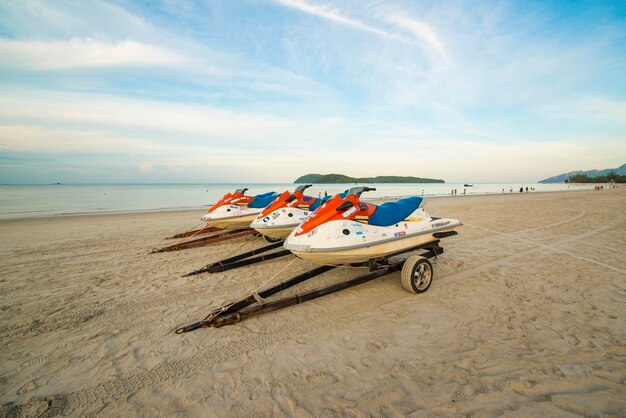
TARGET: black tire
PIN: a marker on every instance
(417, 274)
(271, 240)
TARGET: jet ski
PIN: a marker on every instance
(236, 210)
(284, 214)
(346, 230)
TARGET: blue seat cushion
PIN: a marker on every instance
(393, 212)
(262, 200)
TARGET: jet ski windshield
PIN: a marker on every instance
(345, 206)
(302, 188)
(356, 191)
(296, 199)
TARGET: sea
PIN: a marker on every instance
(31, 201)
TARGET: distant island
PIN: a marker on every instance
(618, 175)
(342, 178)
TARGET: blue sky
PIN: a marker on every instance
(267, 90)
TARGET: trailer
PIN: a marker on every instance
(416, 275)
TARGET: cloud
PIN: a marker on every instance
(147, 116)
(423, 31)
(84, 53)
(591, 110)
(145, 168)
(335, 16)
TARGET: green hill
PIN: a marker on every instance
(342, 178)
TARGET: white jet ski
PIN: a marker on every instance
(346, 230)
(236, 210)
(284, 214)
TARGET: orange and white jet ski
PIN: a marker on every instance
(347, 230)
(236, 210)
(284, 214)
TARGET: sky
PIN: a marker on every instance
(268, 90)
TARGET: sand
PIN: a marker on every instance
(526, 317)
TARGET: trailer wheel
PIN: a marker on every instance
(271, 239)
(417, 274)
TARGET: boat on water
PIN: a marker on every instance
(285, 213)
(236, 210)
(468, 185)
(346, 230)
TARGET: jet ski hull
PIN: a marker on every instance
(368, 251)
(277, 232)
(235, 222)
(279, 223)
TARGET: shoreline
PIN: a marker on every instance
(205, 207)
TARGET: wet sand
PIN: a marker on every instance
(526, 317)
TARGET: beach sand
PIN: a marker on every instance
(526, 317)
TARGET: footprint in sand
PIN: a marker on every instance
(32, 385)
(36, 360)
(339, 413)
(371, 348)
(375, 345)
(322, 378)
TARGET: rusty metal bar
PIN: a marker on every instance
(194, 232)
(247, 262)
(211, 239)
(241, 259)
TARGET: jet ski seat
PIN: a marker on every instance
(393, 212)
(262, 200)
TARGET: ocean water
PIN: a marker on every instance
(26, 201)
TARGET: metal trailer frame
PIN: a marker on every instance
(255, 304)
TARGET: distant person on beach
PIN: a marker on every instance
(319, 195)
(464, 191)
(455, 192)
(325, 193)
(452, 192)
(502, 191)
(526, 189)
(521, 190)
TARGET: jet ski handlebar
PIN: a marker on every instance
(242, 191)
(303, 187)
(356, 191)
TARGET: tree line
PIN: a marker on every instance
(612, 177)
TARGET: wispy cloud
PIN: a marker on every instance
(423, 31)
(591, 110)
(146, 115)
(336, 17)
(84, 53)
